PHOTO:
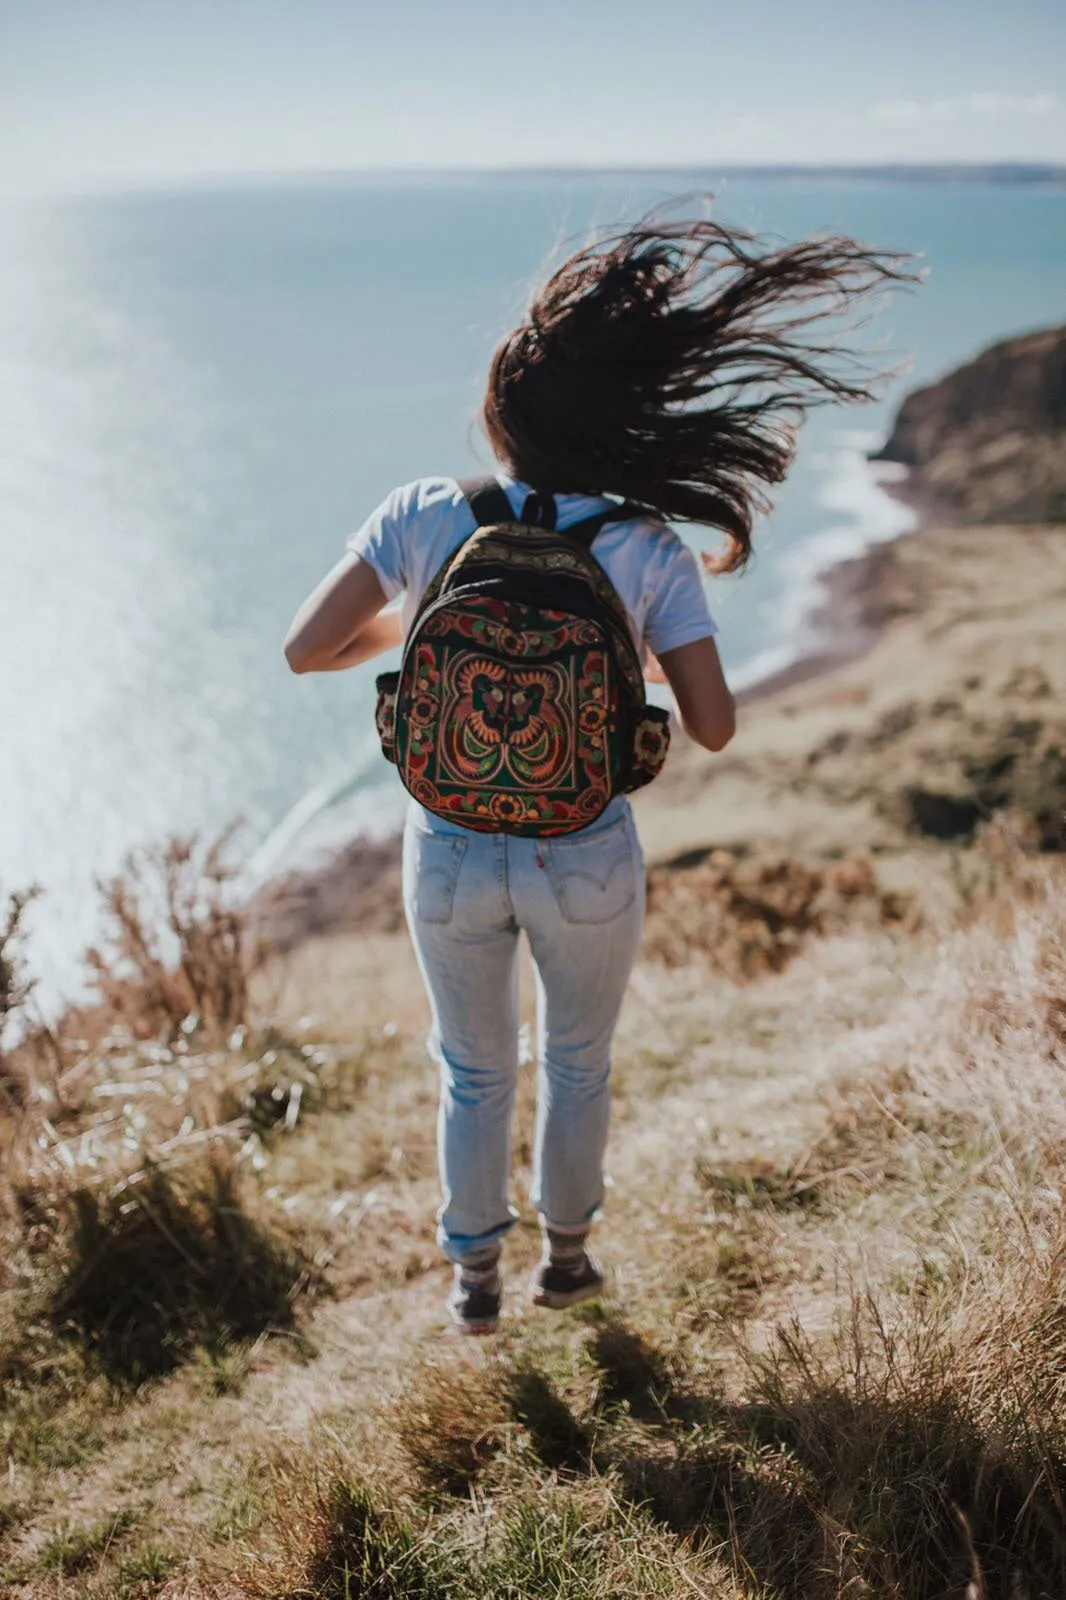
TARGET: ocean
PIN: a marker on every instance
(203, 392)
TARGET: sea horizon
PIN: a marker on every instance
(1033, 172)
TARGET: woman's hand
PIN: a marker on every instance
(339, 624)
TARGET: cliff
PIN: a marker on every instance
(988, 442)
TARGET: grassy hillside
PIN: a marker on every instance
(832, 1359)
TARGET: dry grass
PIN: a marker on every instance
(452, 1424)
(897, 1432)
(976, 1067)
(335, 1538)
(17, 1027)
(927, 1451)
(16, 985)
(178, 947)
(335, 1543)
(749, 916)
(907, 1458)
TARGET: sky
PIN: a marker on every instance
(109, 92)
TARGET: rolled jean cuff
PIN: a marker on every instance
(469, 1252)
(576, 1230)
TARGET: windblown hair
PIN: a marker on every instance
(672, 364)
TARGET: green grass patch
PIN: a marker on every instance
(549, 1542)
(74, 1548)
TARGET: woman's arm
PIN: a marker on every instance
(704, 701)
(338, 625)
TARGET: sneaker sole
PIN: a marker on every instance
(474, 1329)
(560, 1302)
(464, 1325)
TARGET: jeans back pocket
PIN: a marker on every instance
(593, 878)
(431, 872)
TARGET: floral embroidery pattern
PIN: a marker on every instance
(510, 713)
(519, 737)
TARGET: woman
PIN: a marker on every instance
(669, 367)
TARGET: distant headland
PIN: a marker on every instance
(988, 442)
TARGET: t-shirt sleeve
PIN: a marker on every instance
(380, 541)
(677, 611)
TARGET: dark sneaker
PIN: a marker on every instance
(558, 1284)
(475, 1299)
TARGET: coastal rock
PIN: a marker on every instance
(988, 442)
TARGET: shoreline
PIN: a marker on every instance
(852, 595)
(844, 611)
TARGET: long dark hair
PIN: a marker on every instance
(671, 365)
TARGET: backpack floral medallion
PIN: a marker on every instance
(519, 736)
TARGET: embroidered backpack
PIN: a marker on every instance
(519, 706)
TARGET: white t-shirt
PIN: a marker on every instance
(410, 535)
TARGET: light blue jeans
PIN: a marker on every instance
(579, 900)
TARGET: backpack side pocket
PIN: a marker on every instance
(387, 684)
(651, 741)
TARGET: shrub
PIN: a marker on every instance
(177, 945)
(16, 986)
(749, 917)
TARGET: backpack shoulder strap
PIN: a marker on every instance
(586, 530)
(487, 500)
